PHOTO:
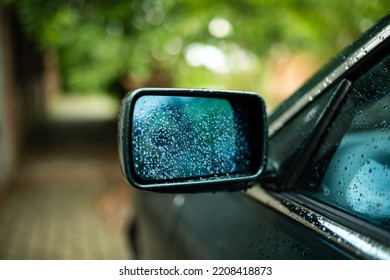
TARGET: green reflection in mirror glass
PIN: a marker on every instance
(183, 137)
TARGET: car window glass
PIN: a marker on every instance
(351, 168)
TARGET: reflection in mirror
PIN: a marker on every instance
(182, 137)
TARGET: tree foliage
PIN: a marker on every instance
(99, 42)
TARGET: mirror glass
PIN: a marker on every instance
(183, 137)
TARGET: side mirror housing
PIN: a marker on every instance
(184, 140)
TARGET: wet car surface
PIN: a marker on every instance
(325, 191)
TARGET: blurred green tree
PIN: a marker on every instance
(103, 44)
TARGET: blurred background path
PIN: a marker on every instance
(68, 199)
(61, 192)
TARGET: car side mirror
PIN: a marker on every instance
(184, 140)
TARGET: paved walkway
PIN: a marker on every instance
(68, 200)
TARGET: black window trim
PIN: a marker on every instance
(368, 49)
(342, 236)
(339, 216)
(323, 122)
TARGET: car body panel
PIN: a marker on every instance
(224, 226)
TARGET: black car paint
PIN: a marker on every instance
(223, 226)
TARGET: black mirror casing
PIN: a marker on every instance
(192, 140)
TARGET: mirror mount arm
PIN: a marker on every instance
(268, 177)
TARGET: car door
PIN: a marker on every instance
(347, 178)
(333, 169)
(303, 208)
(234, 225)
(229, 225)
